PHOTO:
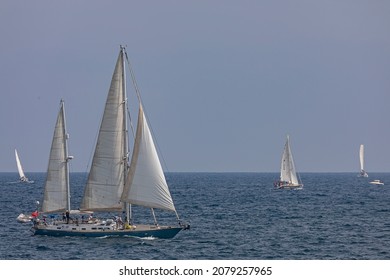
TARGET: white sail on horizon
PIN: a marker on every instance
(19, 165)
(363, 173)
(361, 156)
(287, 169)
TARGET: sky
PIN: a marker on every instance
(222, 82)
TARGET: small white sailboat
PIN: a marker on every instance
(289, 179)
(22, 176)
(377, 182)
(114, 183)
(362, 173)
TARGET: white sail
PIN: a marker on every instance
(361, 156)
(107, 175)
(19, 165)
(146, 184)
(363, 173)
(287, 170)
(56, 194)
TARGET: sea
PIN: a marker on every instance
(233, 216)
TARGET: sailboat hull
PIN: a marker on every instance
(363, 174)
(283, 185)
(142, 231)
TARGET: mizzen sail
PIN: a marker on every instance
(56, 195)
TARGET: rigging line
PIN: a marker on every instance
(134, 81)
(127, 103)
(130, 121)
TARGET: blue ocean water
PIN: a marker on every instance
(337, 216)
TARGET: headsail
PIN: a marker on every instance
(106, 177)
(56, 195)
(146, 184)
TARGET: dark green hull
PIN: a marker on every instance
(161, 233)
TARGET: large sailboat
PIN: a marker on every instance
(289, 179)
(114, 182)
(22, 176)
(362, 173)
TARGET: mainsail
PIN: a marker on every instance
(109, 164)
(19, 165)
(146, 184)
(287, 169)
(56, 195)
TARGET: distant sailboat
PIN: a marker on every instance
(113, 182)
(288, 175)
(22, 176)
(362, 173)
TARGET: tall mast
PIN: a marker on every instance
(67, 157)
(125, 134)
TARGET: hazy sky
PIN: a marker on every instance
(223, 82)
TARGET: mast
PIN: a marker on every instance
(125, 132)
(67, 157)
